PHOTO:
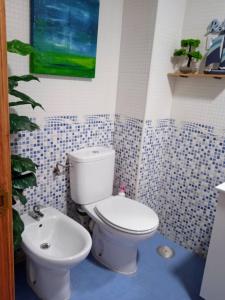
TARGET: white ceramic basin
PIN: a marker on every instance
(53, 245)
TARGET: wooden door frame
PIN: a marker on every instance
(6, 231)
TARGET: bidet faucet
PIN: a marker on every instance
(36, 214)
(37, 211)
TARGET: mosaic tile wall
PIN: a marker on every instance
(127, 142)
(181, 165)
(179, 168)
(50, 145)
(155, 145)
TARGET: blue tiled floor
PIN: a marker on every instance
(178, 278)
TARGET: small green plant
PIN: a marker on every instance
(189, 50)
(23, 169)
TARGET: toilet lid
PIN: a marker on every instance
(127, 215)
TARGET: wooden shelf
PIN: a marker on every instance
(191, 75)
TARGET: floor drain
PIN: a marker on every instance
(45, 246)
(165, 251)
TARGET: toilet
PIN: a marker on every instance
(119, 222)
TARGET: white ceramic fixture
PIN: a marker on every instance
(53, 245)
(213, 286)
(120, 223)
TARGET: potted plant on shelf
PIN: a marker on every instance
(188, 50)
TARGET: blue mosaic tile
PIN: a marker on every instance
(155, 143)
(180, 168)
(127, 141)
(173, 169)
(46, 147)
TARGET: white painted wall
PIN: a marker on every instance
(65, 95)
(168, 31)
(135, 57)
(154, 95)
(200, 100)
(142, 90)
(151, 31)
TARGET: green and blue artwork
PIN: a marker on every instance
(64, 35)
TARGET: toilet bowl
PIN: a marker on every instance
(53, 245)
(119, 223)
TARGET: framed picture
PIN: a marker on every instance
(64, 35)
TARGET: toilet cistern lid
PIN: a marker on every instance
(127, 214)
(91, 154)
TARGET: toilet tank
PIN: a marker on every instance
(91, 174)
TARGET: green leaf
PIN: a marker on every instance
(196, 55)
(25, 181)
(190, 42)
(21, 123)
(180, 52)
(12, 84)
(19, 194)
(18, 47)
(18, 228)
(25, 99)
(26, 78)
(22, 164)
(13, 80)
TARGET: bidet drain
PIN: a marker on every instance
(95, 152)
(165, 251)
(45, 246)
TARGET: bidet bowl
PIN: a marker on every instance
(53, 245)
(55, 240)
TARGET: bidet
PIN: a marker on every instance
(53, 245)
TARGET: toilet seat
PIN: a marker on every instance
(127, 215)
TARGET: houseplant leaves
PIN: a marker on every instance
(18, 47)
(18, 194)
(25, 99)
(25, 181)
(22, 164)
(20, 123)
(13, 80)
(23, 169)
(18, 228)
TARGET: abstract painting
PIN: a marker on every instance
(64, 35)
